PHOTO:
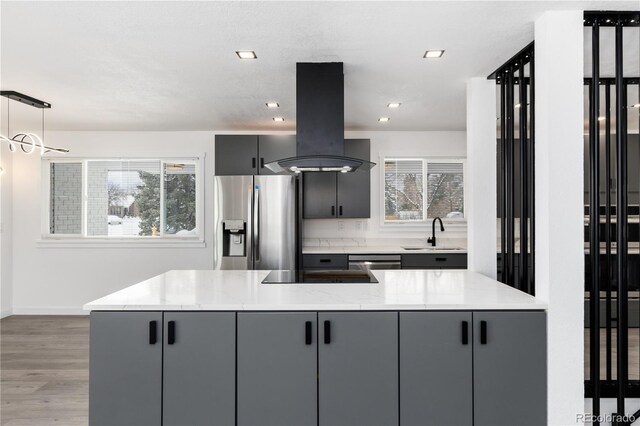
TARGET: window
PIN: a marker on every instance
(65, 207)
(405, 188)
(445, 190)
(123, 198)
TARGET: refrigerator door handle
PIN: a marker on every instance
(256, 224)
(248, 238)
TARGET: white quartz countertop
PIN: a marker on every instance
(210, 290)
(381, 249)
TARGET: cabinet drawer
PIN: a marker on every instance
(325, 261)
(434, 261)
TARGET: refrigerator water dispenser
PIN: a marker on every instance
(234, 238)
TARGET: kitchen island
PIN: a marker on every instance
(220, 348)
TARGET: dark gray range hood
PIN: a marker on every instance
(319, 123)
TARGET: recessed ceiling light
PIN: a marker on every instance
(278, 118)
(393, 105)
(272, 104)
(246, 54)
(383, 119)
(429, 54)
(602, 118)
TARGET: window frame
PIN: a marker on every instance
(162, 238)
(425, 170)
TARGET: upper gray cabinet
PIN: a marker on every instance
(340, 195)
(354, 189)
(236, 155)
(272, 148)
(319, 195)
(247, 154)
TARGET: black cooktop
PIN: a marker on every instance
(320, 277)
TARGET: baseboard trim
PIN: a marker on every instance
(6, 313)
(37, 310)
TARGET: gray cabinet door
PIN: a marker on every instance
(358, 368)
(199, 368)
(274, 147)
(354, 189)
(436, 376)
(236, 155)
(277, 369)
(510, 370)
(319, 196)
(125, 378)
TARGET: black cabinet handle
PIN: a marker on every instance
(327, 332)
(307, 333)
(340, 211)
(325, 260)
(262, 162)
(153, 332)
(441, 259)
(465, 332)
(333, 210)
(483, 332)
(171, 332)
(253, 163)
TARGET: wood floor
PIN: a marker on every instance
(634, 354)
(44, 370)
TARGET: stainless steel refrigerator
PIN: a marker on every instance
(255, 221)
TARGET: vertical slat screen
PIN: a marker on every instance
(608, 224)
(516, 188)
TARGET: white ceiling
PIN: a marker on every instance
(172, 66)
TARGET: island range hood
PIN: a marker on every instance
(319, 123)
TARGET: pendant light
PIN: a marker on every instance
(28, 142)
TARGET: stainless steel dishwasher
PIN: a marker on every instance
(366, 262)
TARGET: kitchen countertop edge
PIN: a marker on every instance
(398, 290)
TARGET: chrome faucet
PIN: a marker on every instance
(432, 239)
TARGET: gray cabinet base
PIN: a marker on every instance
(318, 368)
(125, 376)
(277, 373)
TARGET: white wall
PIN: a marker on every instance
(559, 206)
(6, 249)
(481, 176)
(401, 144)
(60, 280)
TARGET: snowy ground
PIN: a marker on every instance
(130, 226)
